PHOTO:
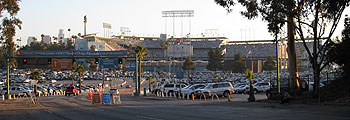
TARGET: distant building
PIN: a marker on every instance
(100, 43)
(47, 39)
(31, 39)
(60, 36)
(85, 44)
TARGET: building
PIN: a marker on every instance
(60, 36)
(31, 39)
(47, 39)
(100, 43)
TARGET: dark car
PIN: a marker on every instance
(71, 90)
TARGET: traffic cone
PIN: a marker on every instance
(89, 95)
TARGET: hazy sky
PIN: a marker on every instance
(143, 17)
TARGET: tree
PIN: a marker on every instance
(215, 60)
(165, 47)
(70, 45)
(35, 75)
(306, 18)
(188, 65)
(238, 64)
(2, 57)
(338, 51)
(149, 78)
(79, 34)
(8, 12)
(140, 52)
(249, 75)
(269, 64)
(80, 69)
(42, 37)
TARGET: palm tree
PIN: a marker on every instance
(42, 37)
(34, 40)
(149, 78)
(140, 52)
(165, 46)
(249, 76)
(80, 69)
(54, 38)
(34, 75)
(188, 65)
(69, 32)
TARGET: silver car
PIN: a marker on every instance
(191, 89)
(220, 89)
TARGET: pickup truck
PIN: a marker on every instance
(71, 90)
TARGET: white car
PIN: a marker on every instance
(171, 88)
(311, 86)
(261, 87)
(220, 89)
(191, 89)
(241, 89)
(53, 81)
(16, 90)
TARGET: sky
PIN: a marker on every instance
(142, 17)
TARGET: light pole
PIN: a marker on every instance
(85, 21)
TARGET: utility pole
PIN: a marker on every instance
(278, 68)
(136, 76)
(8, 77)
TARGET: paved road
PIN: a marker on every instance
(155, 108)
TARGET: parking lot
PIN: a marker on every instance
(151, 107)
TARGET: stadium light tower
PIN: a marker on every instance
(178, 13)
(85, 21)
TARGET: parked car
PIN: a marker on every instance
(261, 87)
(220, 89)
(311, 86)
(16, 90)
(53, 81)
(241, 89)
(191, 89)
(171, 88)
(127, 86)
(71, 90)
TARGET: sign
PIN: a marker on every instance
(108, 63)
(107, 25)
(96, 98)
(18, 52)
(107, 98)
(72, 53)
(61, 63)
